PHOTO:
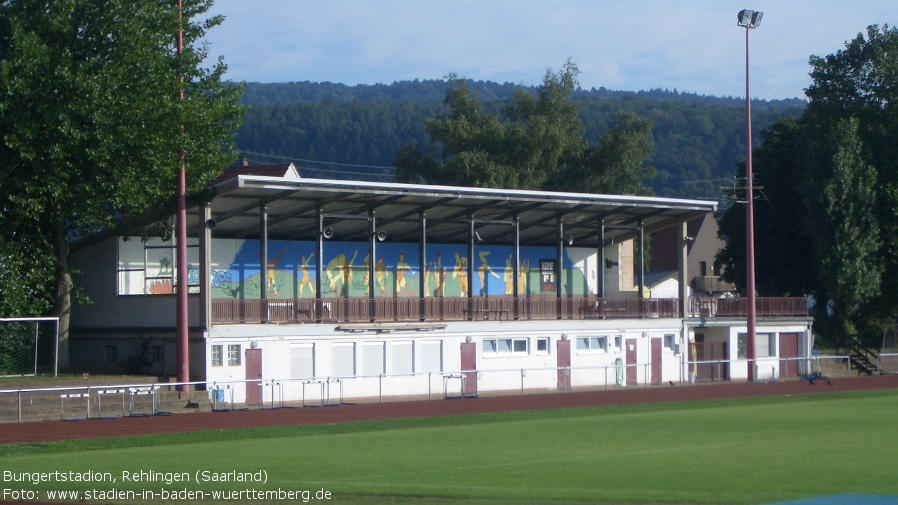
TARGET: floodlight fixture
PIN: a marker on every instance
(381, 236)
(749, 18)
(327, 233)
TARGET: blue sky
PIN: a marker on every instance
(692, 46)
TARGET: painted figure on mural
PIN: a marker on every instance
(509, 276)
(306, 280)
(272, 285)
(523, 275)
(461, 273)
(340, 269)
(435, 276)
(347, 273)
(365, 276)
(401, 268)
(380, 274)
(483, 270)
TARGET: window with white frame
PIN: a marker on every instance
(431, 356)
(343, 359)
(593, 344)
(542, 345)
(373, 358)
(618, 343)
(670, 341)
(216, 355)
(234, 355)
(506, 346)
(403, 354)
(302, 361)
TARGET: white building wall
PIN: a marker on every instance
(767, 366)
(497, 371)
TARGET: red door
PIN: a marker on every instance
(564, 364)
(469, 368)
(253, 376)
(656, 361)
(788, 349)
(631, 361)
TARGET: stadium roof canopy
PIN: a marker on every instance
(293, 204)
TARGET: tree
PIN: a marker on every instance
(784, 261)
(90, 121)
(840, 162)
(535, 142)
(845, 228)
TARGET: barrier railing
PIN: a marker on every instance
(778, 367)
(277, 392)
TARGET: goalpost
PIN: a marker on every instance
(29, 345)
(888, 353)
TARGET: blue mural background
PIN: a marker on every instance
(292, 270)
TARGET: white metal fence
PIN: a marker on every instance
(87, 402)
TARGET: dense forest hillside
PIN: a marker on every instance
(353, 132)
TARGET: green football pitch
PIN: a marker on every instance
(755, 450)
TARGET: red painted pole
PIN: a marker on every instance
(183, 351)
(749, 231)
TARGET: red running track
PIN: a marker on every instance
(50, 431)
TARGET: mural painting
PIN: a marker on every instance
(236, 272)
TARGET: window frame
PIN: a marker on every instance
(593, 344)
(670, 342)
(110, 354)
(234, 358)
(548, 342)
(216, 358)
(505, 346)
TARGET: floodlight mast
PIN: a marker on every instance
(749, 19)
(181, 319)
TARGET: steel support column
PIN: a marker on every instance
(516, 264)
(641, 274)
(682, 268)
(470, 266)
(559, 262)
(422, 263)
(600, 262)
(205, 232)
(263, 261)
(319, 264)
(372, 264)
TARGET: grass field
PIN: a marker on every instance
(756, 450)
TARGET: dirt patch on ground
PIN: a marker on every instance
(50, 431)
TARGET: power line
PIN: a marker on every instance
(320, 162)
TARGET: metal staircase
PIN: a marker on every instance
(863, 359)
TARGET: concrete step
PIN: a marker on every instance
(836, 368)
(177, 402)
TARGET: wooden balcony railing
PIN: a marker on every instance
(738, 307)
(230, 311)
